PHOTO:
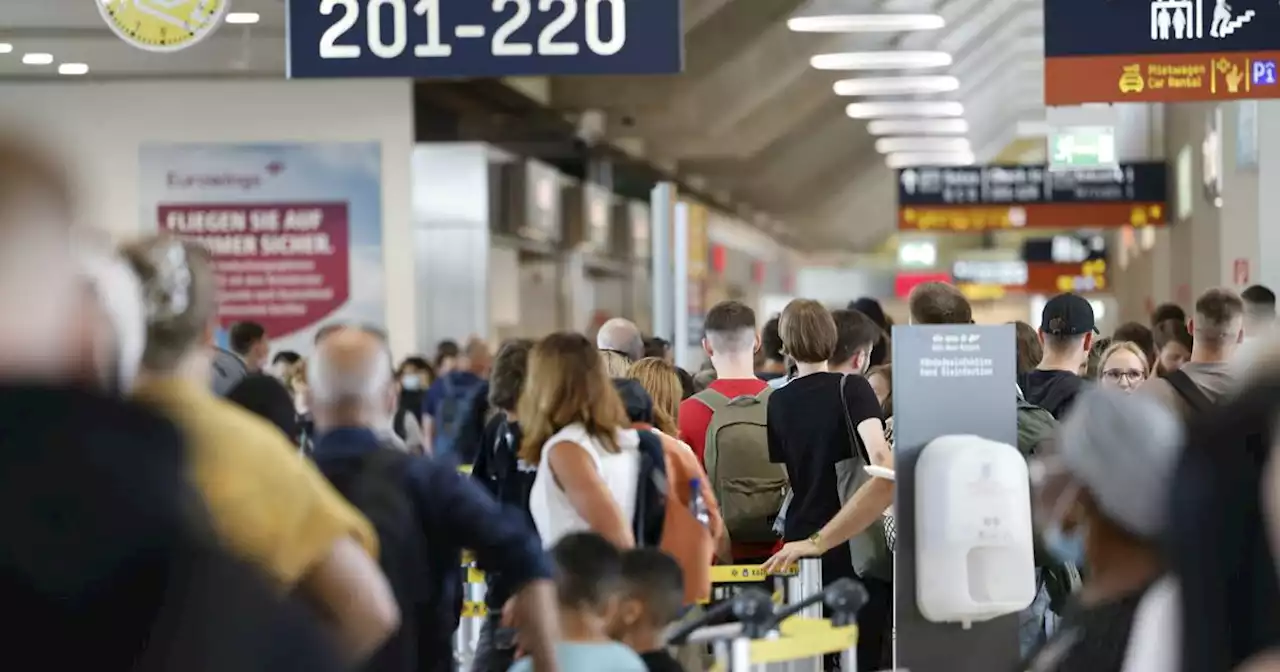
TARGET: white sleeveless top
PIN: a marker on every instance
(553, 513)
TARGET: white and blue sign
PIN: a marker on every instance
(483, 38)
(1264, 73)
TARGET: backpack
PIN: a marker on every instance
(1035, 425)
(457, 408)
(376, 484)
(748, 486)
(1195, 398)
(651, 492)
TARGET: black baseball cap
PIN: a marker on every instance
(1067, 315)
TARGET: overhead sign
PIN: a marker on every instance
(1160, 50)
(1082, 147)
(976, 198)
(1031, 277)
(471, 38)
(163, 25)
(1065, 249)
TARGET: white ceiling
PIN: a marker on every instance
(74, 32)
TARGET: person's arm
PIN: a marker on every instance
(348, 590)
(504, 544)
(576, 474)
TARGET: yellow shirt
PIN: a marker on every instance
(268, 503)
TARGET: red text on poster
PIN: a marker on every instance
(283, 265)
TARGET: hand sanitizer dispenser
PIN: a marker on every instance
(974, 554)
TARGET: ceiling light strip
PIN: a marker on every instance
(865, 23)
(881, 60)
(905, 108)
(917, 126)
(922, 144)
(915, 159)
(889, 86)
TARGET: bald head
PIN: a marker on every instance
(623, 336)
(350, 379)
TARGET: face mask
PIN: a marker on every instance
(410, 383)
(1065, 547)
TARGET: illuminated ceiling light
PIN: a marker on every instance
(914, 159)
(243, 17)
(893, 86)
(6, 48)
(905, 108)
(917, 126)
(865, 23)
(73, 69)
(881, 60)
(922, 144)
(37, 58)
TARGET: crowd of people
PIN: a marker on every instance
(175, 505)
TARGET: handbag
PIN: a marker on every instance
(869, 550)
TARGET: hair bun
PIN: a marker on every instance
(168, 296)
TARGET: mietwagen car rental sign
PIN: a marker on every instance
(1099, 51)
(483, 38)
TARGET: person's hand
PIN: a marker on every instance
(789, 555)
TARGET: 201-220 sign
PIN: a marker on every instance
(483, 38)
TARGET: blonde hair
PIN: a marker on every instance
(661, 381)
(180, 294)
(616, 364)
(1127, 346)
(566, 384)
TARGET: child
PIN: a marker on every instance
(588, 578)
(652, 598)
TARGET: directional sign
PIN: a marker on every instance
(483, 38)
(1160, 50)
(975, 198)
(1082, 147)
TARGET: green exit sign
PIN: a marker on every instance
(1082, 147)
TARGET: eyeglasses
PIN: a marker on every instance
(1117, 375)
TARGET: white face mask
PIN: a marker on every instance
(410, 382)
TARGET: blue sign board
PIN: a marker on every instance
(483, 38)
(1107, 27)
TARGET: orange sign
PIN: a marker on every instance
(1032, 216)
(1074, 80)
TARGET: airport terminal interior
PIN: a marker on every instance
(416, 238)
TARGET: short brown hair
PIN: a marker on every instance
(1030, 351)
(854, 330)
(1140, 335)
(181, 297)
(1218, 315)
(567, 384)
(730, 325)
(939, 303)
(1172, 331)
(508, 374)
(808, 331)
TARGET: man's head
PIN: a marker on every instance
(730, 329)
(350, 380)
(1066, 331)
(282, 362)
(509, 370)
(477, 357)
(588, 572)
(249, 340)
(771, 345)
(1140, 335)
(652, 593)
(622, 336)
(856, 335)
(939, 303)
(1218, 325)
(1168, 311)
(1259, 308)
(808, 332)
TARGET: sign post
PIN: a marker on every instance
(954, 379)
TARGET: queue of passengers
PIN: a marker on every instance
(301, 523)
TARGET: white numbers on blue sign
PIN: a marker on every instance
(387, 36)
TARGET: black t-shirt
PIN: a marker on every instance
(1089, 639)
(808, 433)
(660, 661)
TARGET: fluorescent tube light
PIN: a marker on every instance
(914, 159)
(891, 86)
(922, 144)
(865, 23)
(37, 58)
(243, 17)
(917, 126)
(6, 48)
(881, 60)
(905, 108)
(73, 69)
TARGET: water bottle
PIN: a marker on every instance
(698, 505)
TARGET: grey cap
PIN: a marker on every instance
(1123, 448)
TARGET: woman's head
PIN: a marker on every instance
(661, 381)
(509, 372)
(1030, 352)
(1107, 482)
(808, 331)
(414, 374)
(567, 383)
(180, 296)
(1173, 345)
(615, 363)
(295, 379)
(881, 379)
(1123, 366)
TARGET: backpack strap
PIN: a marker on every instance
(855, 441)
(1189, 391)
(714, 400)
(651, 491)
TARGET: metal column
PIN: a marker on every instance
(661, 277)
(680, 280)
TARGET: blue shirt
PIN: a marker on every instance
(456, 513)
(591, 657)
(457, 383)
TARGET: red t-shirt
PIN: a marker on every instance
(694, 419)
